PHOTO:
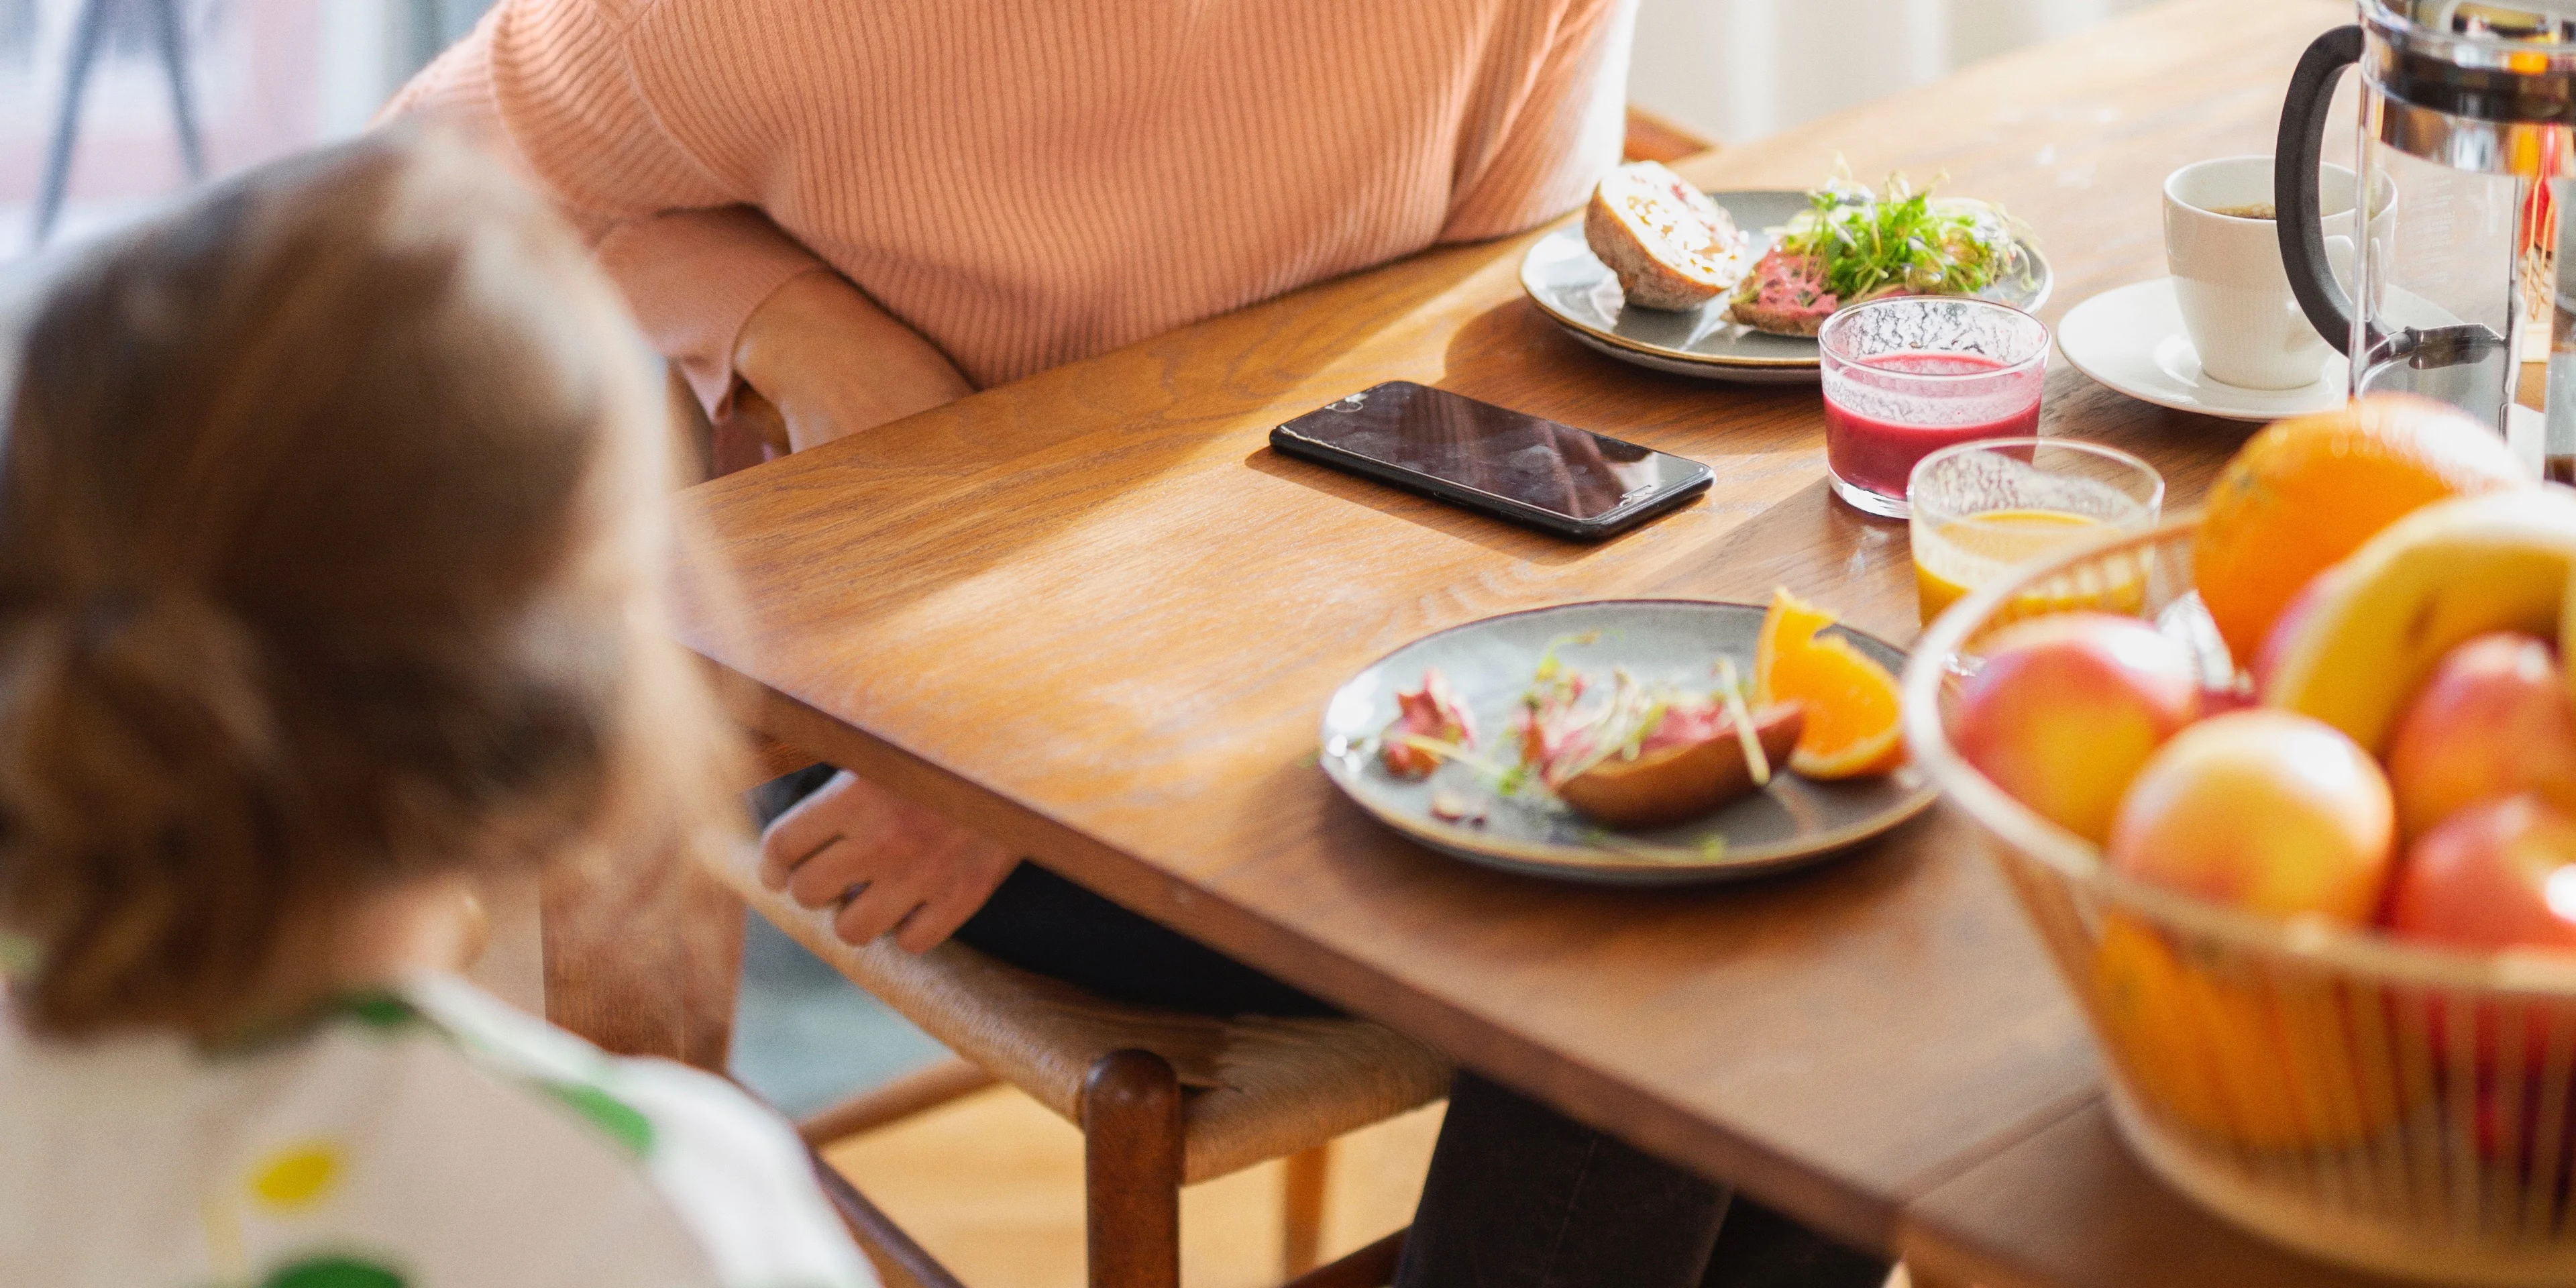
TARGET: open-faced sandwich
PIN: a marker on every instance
(1671, 246)
(1627, 753)
(1644, 755)
(1852, 245)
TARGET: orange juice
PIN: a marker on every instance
(1983, 508)
(1955, 557)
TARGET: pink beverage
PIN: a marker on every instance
(1878, 454)
(1908, 375)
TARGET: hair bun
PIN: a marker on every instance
(97, 624)
(178, 672)
(136, 736)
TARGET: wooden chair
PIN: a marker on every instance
(1656, 138)
(91, 31)
(1163, 1099)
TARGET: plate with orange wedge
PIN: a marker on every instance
(1631, 742)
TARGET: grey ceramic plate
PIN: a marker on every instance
(1793, 821)
(1570, 284)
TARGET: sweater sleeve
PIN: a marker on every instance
(1565, 133)
(548, 86)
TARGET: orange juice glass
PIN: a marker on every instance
(1980, 508)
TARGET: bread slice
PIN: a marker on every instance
(1674, 784)
(1671, 246)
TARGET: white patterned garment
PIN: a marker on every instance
(429, 1137)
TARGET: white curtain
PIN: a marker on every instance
(1740, 69)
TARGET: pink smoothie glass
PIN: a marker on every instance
(1909, 374)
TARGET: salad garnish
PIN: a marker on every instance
(1867, 244)
(1710, 849)
(1430, 726)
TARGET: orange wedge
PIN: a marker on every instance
(1852, 727)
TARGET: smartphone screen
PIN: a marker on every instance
(1518, 458)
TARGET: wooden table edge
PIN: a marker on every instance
(1935, 1254)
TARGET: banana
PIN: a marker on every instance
(2360, 639)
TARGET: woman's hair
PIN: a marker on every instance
(333, 534)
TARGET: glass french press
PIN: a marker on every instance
(2459, 265)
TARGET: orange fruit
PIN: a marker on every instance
(2305, 492)
(2284, 1062)
(1852, 727)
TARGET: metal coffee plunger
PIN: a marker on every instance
(2467, 150)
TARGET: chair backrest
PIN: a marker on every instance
(1657, 138)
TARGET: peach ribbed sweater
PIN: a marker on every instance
(1028, 182)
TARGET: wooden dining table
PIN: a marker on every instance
(1093, 614)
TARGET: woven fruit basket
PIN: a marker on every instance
(2383, 1104)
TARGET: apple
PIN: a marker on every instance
(2269, 811)
(2497, 875)
(2067, 708)
(2500, 875)
(2493, 720)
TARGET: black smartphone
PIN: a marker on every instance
(1508, 464)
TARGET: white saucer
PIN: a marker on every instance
(2131, 338)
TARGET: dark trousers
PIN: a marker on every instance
(1519, 1196)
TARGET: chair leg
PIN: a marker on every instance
(914, 1093)
(899, 1260)
(88, 30)
(173, 37)
(1370, 1267)
(1301, 1209)
(1131, 1143)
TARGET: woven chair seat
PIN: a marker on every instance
(1256, 1087)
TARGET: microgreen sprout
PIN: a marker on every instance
(1548, 666)
(1710, 849)
(1731, 692)
(1439, 751)
(1900, 240)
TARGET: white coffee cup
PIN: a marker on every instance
(2235, 297)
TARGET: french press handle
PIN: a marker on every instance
(2294, 184)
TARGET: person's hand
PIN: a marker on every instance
(887, 863)
(833, 363)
